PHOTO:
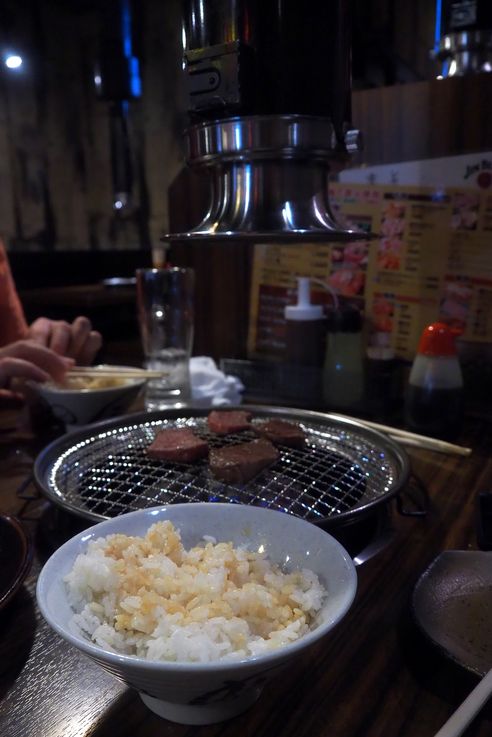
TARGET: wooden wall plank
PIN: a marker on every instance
(63, 127)
(7, 211)
(96, 139)
(222, 278)
(163, 108)
(413, 36)
(425, 119)
(26, 142)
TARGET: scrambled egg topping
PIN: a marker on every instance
(155, 574)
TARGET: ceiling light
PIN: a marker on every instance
(13, 61)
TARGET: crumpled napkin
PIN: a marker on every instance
(210, 387)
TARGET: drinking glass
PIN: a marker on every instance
(165, 316)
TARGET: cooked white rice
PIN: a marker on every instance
(149, 597)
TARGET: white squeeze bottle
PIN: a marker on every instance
(306, 328)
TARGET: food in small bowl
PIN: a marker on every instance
(92, 383)
(82, 400)
(203, 605)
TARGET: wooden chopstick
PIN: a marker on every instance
(88, 372)
(464, 714)
(417, 441)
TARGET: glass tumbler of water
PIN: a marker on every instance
(165, 317)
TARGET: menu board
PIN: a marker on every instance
(432, 259)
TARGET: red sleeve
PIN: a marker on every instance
(13, 324)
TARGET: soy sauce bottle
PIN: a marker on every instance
(434, 402)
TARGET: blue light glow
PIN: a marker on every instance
(437, 29)
(126, 27)
(133, 62)
(135, 79)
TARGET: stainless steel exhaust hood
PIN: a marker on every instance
(464, 37)
(269, 108)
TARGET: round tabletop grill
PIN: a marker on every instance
(344, 470)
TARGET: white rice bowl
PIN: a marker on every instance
(148, 596)
(197, 668)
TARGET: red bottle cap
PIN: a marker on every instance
(437, 340)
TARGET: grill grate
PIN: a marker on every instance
(104, 471)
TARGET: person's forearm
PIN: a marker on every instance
(13, 325)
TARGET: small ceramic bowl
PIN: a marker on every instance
(15, 557)
(75, 405)
(204, 693)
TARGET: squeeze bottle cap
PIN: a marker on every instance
(303, 310)
(437, 340)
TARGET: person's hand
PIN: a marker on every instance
(76, 340)
(27, 359)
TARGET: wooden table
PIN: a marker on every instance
(376, 676)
